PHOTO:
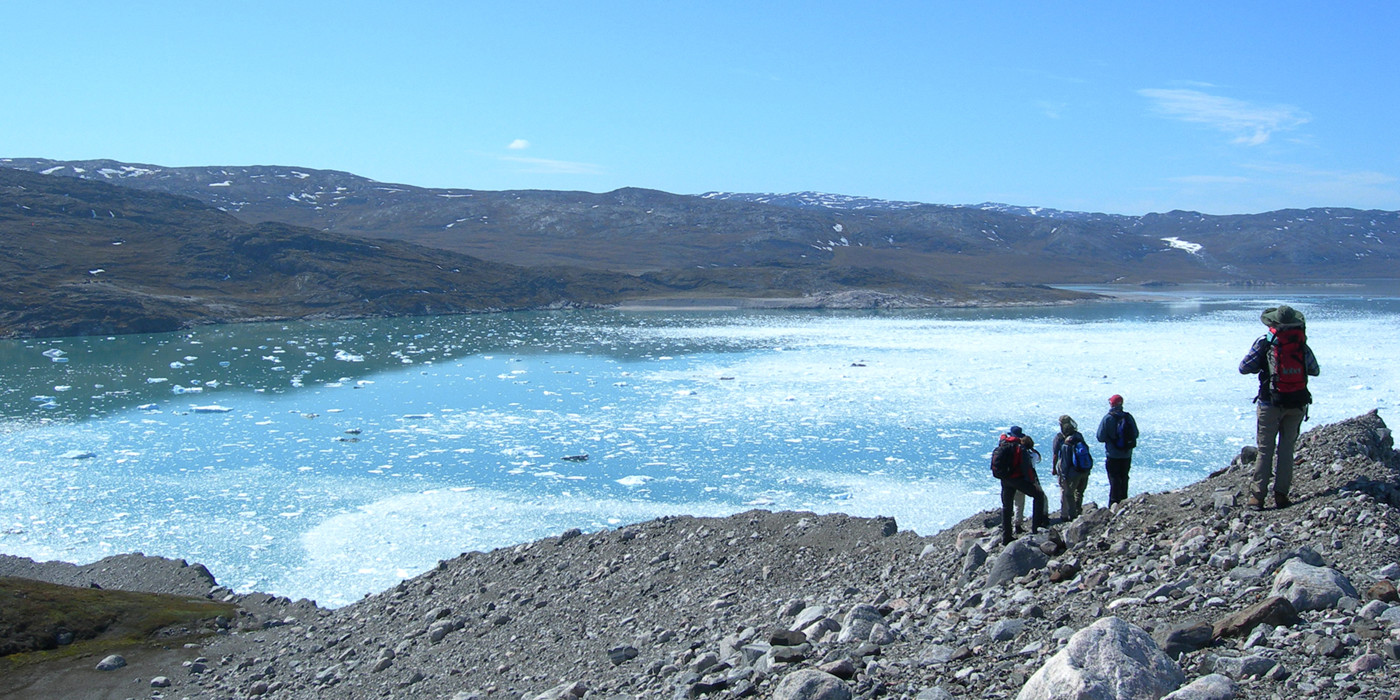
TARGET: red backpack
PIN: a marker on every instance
(1288, 370)
(1006, 458)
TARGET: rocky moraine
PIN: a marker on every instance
(1183, 594)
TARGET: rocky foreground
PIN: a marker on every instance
(1184, 594)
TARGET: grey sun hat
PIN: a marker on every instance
(1067, 424)
(1282, 317)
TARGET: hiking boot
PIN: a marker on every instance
(1255, 503)
(1281, 500)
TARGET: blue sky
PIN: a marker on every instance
(1118, 107)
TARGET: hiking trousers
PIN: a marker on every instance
(1117, 468)
(1009, 487)
(1277, 432)
(1072, 490)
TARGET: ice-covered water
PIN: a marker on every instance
(328, 460)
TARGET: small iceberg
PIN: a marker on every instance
(635, 480)
(211, 408)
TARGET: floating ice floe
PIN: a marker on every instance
(177, 389)
(348, 357)
(211, 408)
(635, 480)
(156, 380)
(148, 407)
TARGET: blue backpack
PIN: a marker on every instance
(1075, 458)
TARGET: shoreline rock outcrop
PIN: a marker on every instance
(1182, 594)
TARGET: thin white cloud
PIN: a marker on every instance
(546, 166)
(1249, 124)
(1053, 110)
(1209, 180)
(518, 145)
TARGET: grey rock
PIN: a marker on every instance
(564, 691)
(1390, 572)
(881, 634)
(858, 622)
(160, 682)
(1310, 587)
(933, 694)
(1243, 666)
(111, 663)
(1006, 629)
(1373, 610)
(1366, 662)
(811, 684)
(619, 655)
(1184, 637)
(1392, 614)
(1108, 659)
(1018, 559)
(1212, 687)
(973, 560)
(935, 654)
(808, 615)
(438, 630)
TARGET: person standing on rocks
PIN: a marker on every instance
(1118, 432)
(1073, 481)
(1283, 361)
(1033, 455)
(1013, 467)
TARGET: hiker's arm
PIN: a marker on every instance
(1254, 362)
(1311, 362)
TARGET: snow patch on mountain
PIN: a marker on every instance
(1192, 248)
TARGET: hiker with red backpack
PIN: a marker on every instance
(1283, 361)
(1118, 432)
(1012, 465)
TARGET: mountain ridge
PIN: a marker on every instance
(636, 230)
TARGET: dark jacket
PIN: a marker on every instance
(1108, 433)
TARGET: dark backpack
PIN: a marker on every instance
(1125, 432)
(1006, 458)
(1075, 458)
(1288, 371)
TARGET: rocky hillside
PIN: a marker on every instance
(1182, 592)
(88, 257)
(637, 230)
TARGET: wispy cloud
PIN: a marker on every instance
(1209, 180)
(546, 166)
(1053, 110)
(1250, 124)
(518, 145)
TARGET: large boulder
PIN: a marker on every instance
(1108, 660)
(1018, 559)
(811, 684)
(1310, 587)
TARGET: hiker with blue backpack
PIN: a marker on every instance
(1071, 463)
(1013, 466)
(1119, 433)
(1283, 361)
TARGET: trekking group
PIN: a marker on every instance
(1282, 360)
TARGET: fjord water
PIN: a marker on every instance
(330, 459)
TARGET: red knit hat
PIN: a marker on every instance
(1115, 400)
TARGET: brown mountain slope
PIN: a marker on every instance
(88, 258)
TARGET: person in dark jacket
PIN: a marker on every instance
(1023, 479)
(1118, 432)
(1072, 481)
(1278, 417)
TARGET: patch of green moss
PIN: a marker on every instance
(34, 614)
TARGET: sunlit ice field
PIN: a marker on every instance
(328, 460)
